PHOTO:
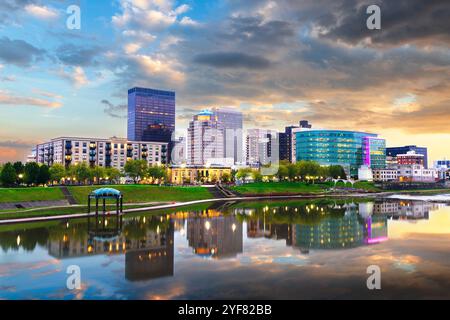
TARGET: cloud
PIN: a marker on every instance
(8, 99)
(187, 21)
(41, 12)
(232, 60)
(19, 52)
(115, 111)
(75, 55)
(76, 76)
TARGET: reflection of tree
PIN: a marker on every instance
(29, 239)
(304, 215)
(137, 228)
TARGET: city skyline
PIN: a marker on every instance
(278, 63)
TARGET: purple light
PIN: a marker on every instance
(377, 240)
(367, 151)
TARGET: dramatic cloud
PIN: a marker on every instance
(115, 111)
(19, 52)
(75, 75)
(232, 60)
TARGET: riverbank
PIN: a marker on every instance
(74, 212)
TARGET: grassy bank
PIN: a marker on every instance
(146, 193)
(266, 188)
(30, 194)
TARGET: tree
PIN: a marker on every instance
(19, 168)
(8, 175)
(57, 172)
(282, 172)
(98, 173)
(336, 171)
(243, 173)
(226, 177)
(43, 175)
(257, 176)
(136, 169)
(113, 174)
(82, 172)
(31, 173)
(157, 173)
(292, 171)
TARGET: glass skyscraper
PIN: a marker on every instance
(149, 109)
(349, 149)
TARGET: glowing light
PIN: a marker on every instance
(207, 225)
(18, 240)
(233, 227)
(377, 240)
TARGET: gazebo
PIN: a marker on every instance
(106, 194)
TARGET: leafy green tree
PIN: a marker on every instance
(157, 173)
(8, 175)
(336, 171)
(82, 172)
(282, 172)
(98, 173)
(113, 174)
(257, 176)
(20, 168)
(136, 169)
(226, 177)
(243, 173)
(292, 171)
(57, 172)
(31, 173)
(43, 175)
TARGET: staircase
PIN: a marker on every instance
(67, 195)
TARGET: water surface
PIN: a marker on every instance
(260, 250)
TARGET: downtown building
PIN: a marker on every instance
(393, 152)
(349, 149)
(151, 116)
(232, 122)
(107, 153)
(259, 146)
(286, 138)
(205, 140)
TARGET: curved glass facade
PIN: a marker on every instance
(349, 149)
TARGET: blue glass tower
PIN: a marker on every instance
(148, 109)
(349, 149)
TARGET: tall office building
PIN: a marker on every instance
(394, 151)
(285, 139)
(259, 146)
(232, 122)
(205, 141)
(349, 149)
(151, 115)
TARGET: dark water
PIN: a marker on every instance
(261, 250)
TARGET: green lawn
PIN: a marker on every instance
(278, 188)
(147, 193)
(30, 194)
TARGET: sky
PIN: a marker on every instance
(277, 61)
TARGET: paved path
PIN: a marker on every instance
(32, 204)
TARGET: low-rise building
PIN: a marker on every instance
(385, 175)
(416, 173)
(201, 174)
(113, 152)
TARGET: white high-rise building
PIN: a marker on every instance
(232, 122)
(205, 141)
(113, 152)
(259, 146)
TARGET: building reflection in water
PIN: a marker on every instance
(147, 244)
(214, 235)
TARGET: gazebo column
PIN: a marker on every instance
(104, 205)
(89, 204)
(96, 210)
